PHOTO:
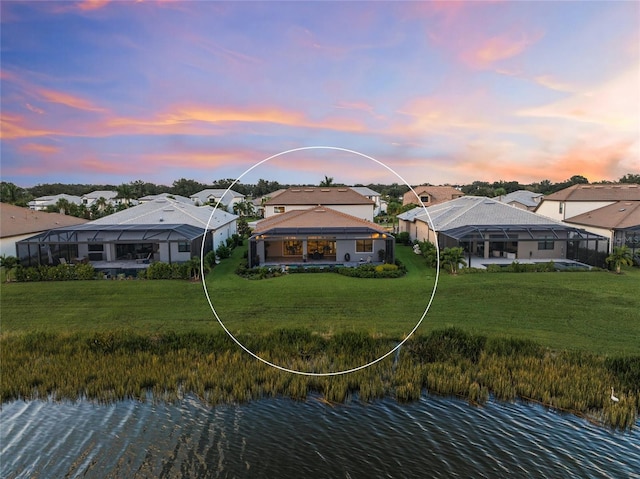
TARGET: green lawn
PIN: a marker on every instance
(597, 312)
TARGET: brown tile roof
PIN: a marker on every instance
(15, 220)
(313, 196)
(619, 215)
(316, 217)
(438, 194)
(611, 192)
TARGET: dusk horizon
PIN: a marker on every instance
(105, 92)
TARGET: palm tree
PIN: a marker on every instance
(63, 206)
(328, 181)
(8, 263)
(621, 256)
(125, 193)
(451, 258)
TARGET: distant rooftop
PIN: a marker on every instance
(605, 192)
(319, 196)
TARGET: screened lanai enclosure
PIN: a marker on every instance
(113, 247)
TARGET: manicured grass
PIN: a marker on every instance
(595, 311)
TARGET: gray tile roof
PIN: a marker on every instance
(222, 195)
(168, 211)
(365, 191)
(477, 211)
(524, 197)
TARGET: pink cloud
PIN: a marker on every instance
(69, 100)
(497, 48)
(87, 5)
(38, 148)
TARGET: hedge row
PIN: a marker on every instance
(61, 272)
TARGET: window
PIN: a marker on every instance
(364, 246)
(560, 207)
(278, 209)
(546, 243)
(424, 199)
(292, 248)
(184, 247)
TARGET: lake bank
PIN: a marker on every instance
(113, 366)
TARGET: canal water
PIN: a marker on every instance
(279, 438)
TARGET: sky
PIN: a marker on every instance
(110, 92)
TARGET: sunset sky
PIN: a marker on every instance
(112, 92)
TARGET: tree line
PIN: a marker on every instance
(13, 194)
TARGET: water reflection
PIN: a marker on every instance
(434, 437)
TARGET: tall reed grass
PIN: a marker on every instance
(116, 365)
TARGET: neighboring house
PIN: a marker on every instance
(487, 228)
(578, 199)
(258, 203)
(17, 223)
(43, 202)
(372, 195)
(619, 222)
(319, 234)
(91, 198)
(430, 195)
(164, 230)
(181, 199)
(344, 200)
(214, 196)
(523, 199)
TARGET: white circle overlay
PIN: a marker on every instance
(306, 373)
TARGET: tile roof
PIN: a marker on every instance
(224, 196)
(182, 199)
(524, 197)
(619, 215)
(365, 191)
(315, 217)
(312, 196)
(168, 211)
(106, 194)
(607, 192)
(438, 194)
(15, 220)
(477, 211)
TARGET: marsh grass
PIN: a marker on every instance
(111, 340)
(112, 366)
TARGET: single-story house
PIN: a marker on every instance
(523, 199)
(488, 228)
(171, 196)
(18, 223)
(213, 196)
(430, 195)
(43, 202)
(344, 200)
(618, 222)
(578, 199)
(90, 198)
(161, 230)
(319, 234)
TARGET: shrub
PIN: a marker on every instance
(403, 238)
(161, 270)
(61, 272)
(223, 251)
